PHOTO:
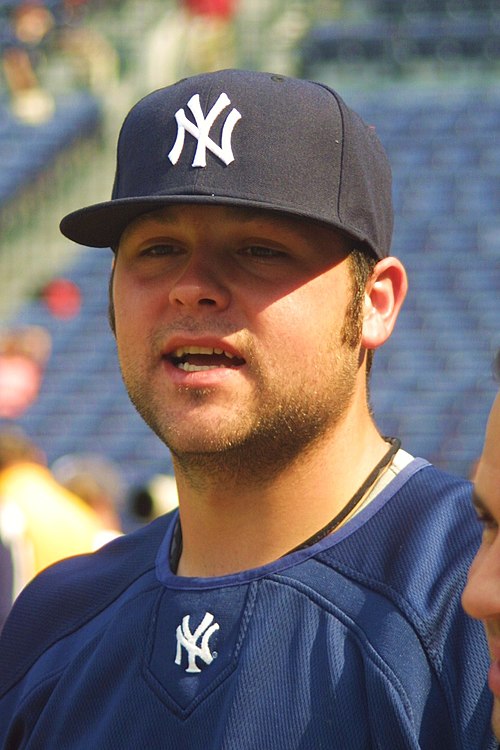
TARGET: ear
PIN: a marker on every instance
(384, 295)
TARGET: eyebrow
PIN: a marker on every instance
(299, 224)
(246, 215)
(167, 212)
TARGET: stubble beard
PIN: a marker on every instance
(264, 436)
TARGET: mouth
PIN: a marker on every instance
(200, 358)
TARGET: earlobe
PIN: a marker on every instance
(384, 295)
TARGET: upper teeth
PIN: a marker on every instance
(183, 350)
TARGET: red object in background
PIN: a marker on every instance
(63, 298)
(214, 8)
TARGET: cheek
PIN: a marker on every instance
(316, 317)
(132, 307)
(132, 334)
(296, 336)
(285, 328)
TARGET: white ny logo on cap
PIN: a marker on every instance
(200, 130)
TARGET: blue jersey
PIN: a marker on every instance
(357, 642)
(6, 582)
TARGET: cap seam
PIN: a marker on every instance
(342, 153)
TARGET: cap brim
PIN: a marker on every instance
(102, 224)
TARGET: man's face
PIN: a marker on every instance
(230, 331)
(481, 598)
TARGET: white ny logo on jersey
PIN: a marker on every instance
(188, 640)
(200, 130)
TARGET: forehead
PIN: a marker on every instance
(187, 215)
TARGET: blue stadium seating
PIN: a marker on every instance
(401, 40)
(27, 151)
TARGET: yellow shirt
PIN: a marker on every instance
(42, 522)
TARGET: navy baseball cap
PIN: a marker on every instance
(248, 139)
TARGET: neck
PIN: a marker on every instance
(233, 521)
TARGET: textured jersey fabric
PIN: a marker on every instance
(357, 642)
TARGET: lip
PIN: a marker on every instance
(208, 341)
(201, 378)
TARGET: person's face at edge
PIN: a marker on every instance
(481, 597)
(265, 297)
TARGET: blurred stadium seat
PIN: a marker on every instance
(28, 151)
(399, 41)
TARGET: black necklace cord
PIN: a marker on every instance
(395, 445)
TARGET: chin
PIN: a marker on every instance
(197, 442)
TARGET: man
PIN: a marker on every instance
(481, 597)
(306, 594)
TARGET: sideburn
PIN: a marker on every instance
(361, 264)
(360, 267)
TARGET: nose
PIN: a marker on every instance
(199, 285)
(481, 596)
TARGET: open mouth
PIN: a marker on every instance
(198, 358)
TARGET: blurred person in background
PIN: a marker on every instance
(24, 353)
(193, 36)
(97, 481)
(154, 498)
(30, 25)
(209, 34)
(41, 522)
(481, 597)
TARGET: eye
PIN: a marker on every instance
(159, 250)
(262, 252)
